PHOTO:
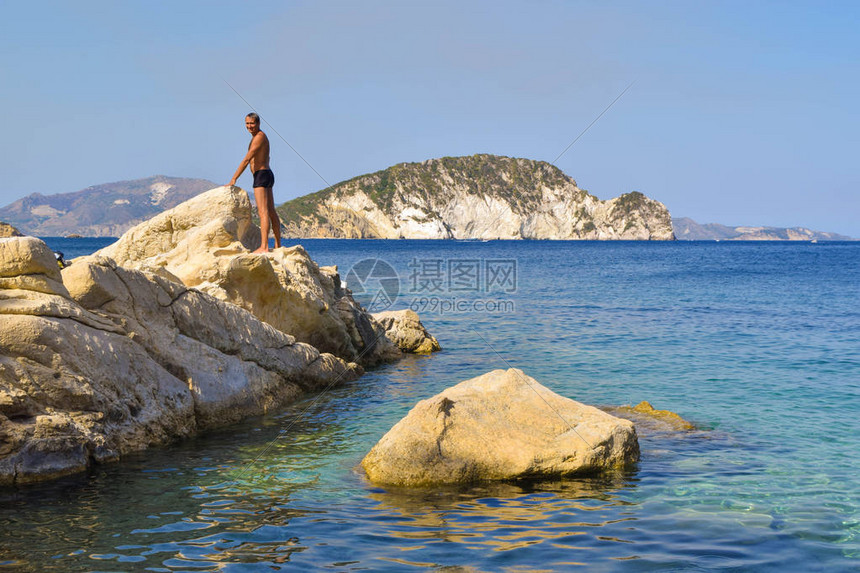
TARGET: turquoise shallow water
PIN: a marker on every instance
(757, 343)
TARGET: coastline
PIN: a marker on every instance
(113, 353)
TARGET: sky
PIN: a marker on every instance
(741, 113)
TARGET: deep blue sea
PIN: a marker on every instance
(758, 344)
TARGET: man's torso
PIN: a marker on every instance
(260, 160)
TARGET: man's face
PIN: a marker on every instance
(252, 126)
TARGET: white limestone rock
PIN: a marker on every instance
(503, 425)
(124, 359)
(28, 263)
(205, 243)
(7, 230)
(404, 329)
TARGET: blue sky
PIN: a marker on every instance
(741, 112)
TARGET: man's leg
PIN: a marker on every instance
(273, 217)
(263, 210)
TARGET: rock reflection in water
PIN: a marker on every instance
(508, 516)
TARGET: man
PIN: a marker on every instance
(258, 158)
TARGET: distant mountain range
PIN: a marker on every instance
(106, 210)
(687, 229)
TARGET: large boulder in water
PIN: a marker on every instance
(503, 425)
(404, 328)
(205, 243)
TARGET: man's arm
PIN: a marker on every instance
(253, 149)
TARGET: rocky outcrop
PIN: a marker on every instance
(7, 230)
(26, 263)
(477, 197)
(101, 360)
(105, 210)
(205, 244)
(500, 426)
(404, 329)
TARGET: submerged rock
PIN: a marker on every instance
(205, 243)
(643, 414)
(503, 425)
(101, 360)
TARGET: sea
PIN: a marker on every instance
(756, 343)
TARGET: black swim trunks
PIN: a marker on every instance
(264, 178)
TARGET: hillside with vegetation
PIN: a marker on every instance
(474, 197)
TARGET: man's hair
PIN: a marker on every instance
(254, 116)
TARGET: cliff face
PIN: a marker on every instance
(102, 210)
(477, 197)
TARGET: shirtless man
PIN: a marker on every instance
(258, 158)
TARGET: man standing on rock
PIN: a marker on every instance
(258, 158)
